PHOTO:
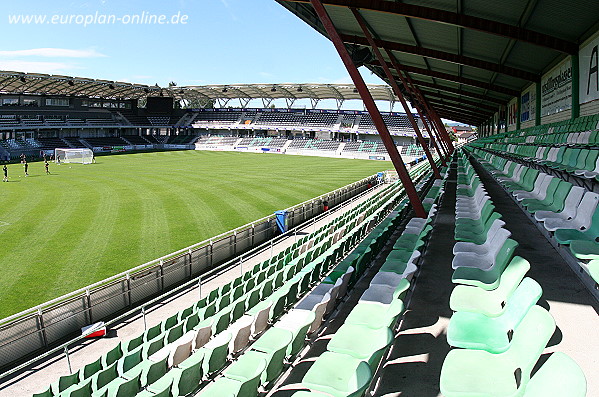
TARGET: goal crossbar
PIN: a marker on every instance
(81, 156)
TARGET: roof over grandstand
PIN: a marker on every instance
(466, 56)
(46, 84)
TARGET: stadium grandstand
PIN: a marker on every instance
(474, 272)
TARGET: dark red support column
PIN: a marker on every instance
(396, 90)
(395, 64)
(442, 154)
(370, 105)
(430, 111)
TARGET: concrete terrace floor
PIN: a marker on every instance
(414, 366)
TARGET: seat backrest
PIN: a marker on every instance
(129, 387)
(519, 303)
(130, 360)
(216, 351)
(203, 334)
(319, 310)
(586, 209)
(182, 350)
(66, 381)
(544, 187)
(573, 199)
(261, 319)
(190, 378)
(559, 198)
(581, 159)
(530, 339)
(104, 377)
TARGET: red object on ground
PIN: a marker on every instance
(96, 330)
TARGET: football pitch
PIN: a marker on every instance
(84, 223)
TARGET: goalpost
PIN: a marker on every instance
(82, 156)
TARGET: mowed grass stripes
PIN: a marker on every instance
(84, 223)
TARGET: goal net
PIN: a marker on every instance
(82, 156)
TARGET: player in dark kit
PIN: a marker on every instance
(47, 167)
(5, 169)
(26, 165)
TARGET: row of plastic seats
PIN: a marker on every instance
(497, 328)
(356, 349)
(570, 212)
(266, 354)
(165, 332)
(273, 368)
(305, 319)
(580, 162)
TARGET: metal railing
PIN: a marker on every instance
(46, 325)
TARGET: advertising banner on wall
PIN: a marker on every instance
(512, 112)
(528, 104)
(556, 89)
(588, 59)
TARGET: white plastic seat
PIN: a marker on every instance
(589, 174)
(495, 234)
(384, 293)
(483, 261)
(515, 175)
(582, 219)
(241, 331)
(203, 335)
(570, 206)
(539, 192)
(181, 349)
(472, 212)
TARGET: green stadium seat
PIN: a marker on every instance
(358, 341)
(375, 315)
(477, 331)
(490, 303)
(241, 379)
(339, 375)
(554, 201)
(565, 236)
(64, 382)
(477, 372)
(120, 387)
(274, 344)
(215, 352)
(486, 279)
(148, 371)
(559, 376)
(184, 379)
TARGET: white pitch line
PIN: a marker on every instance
(4, 224)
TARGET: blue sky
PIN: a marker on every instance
(221, 42)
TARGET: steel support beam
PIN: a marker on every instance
(441, 150)
(460, 20)
(509, 92)
(407, 86)
(435, 118)
(444, 56)
(458, 91)
(459, 100)
(375, 115)
(397, 91)
(458, 108)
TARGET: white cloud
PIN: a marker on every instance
(53, 53)
(36, 67)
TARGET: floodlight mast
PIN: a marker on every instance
(369, 103)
